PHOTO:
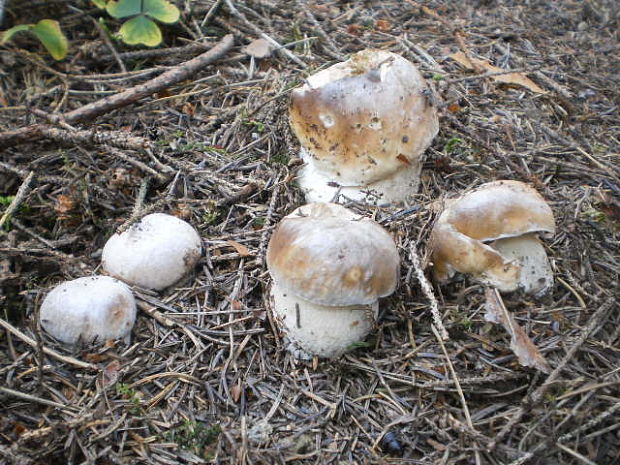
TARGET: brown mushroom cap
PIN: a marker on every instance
(363, 120)
(330, 256)
(496, 210)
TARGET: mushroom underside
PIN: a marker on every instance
(320, 330)
(536, 276)
(322, 187)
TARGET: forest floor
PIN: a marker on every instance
(206, 377)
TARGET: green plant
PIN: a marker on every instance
(195, 437)
(453, 144)
(130, 394)
(140, 27)
(49, 34)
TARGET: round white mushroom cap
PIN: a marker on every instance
(360, 123)
(87, 309)
(330, 256)
(153, 253)
(329, 266)
(473, 234)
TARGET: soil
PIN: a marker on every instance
(206, 377)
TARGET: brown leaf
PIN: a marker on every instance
(109, 374)
(522, 346)
(235, 393)
(64, 205)
(354, 29)
(188, 109)
(259, 48)
(454, 108)
(518, 79)
(402, 158)
(241, 249)
(383, 25)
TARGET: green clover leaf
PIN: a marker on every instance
(162, 10)
(49, 34)
(124, 8)
(141, 30)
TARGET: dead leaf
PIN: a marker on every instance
(518, 79)
(259, 48)
(383, 25)
(235, 393)
(188, 109)
(354, 29)
(241, 249)
(522, 346)
(64, 205)
(403, 159)
(109, 375)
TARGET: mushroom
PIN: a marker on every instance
(153, 253)
(492, 233)
(329, 267)
(96, 308)
(363, 125)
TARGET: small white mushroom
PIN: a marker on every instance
(153, 253)
(363, 125)
(491, 233)
(96, 308)
(329, 268)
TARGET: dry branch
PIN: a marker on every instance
(92, 110)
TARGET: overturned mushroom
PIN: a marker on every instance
(96, 308)
(363, 126)
(329, 268)
(492, 234)
(153, 253)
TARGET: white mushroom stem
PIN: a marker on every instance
(320, 187)
(320, 330)
(536, 276)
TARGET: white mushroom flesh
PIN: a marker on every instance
(97, 308)
(536, 276)
(153, 253)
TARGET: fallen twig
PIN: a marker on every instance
(92, 110)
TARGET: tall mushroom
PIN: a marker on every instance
(363, 125)
(492, 233)
(329, 267)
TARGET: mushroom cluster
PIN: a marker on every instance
(154, 253)
(492, 234)
(329, 267)
(363, 125)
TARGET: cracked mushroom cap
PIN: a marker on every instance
(86, 309)
(154, 253)
(363, 120)
(329, 256)
(493, 213)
